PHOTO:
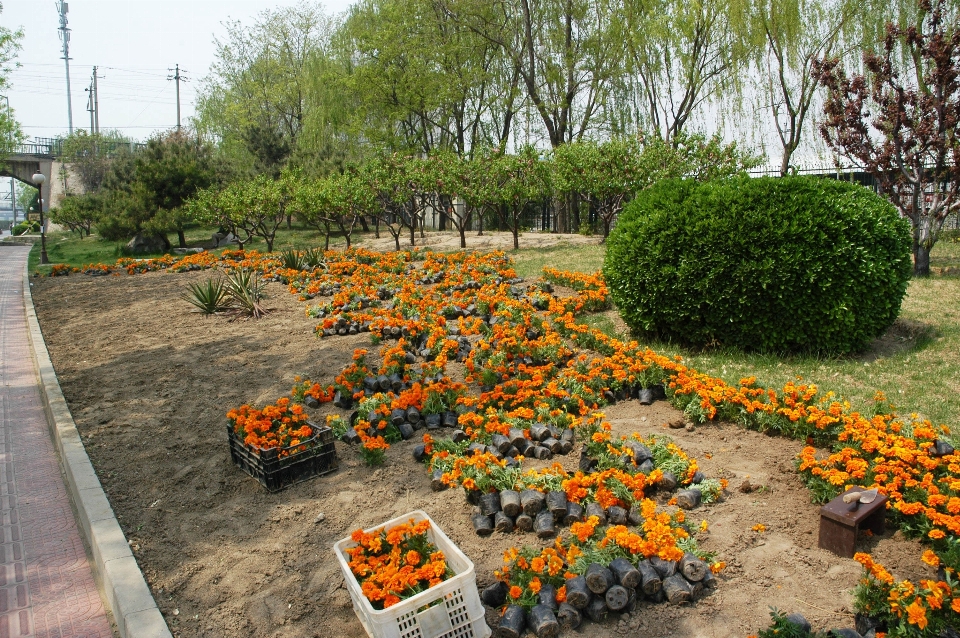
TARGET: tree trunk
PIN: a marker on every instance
(269, 241)
(180, 237)
(921, 260)
(289, 222)
(923, 241)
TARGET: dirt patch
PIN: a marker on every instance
(149, 384)
(446, 241)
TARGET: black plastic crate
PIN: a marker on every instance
(275, 472)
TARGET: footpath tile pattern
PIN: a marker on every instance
(47, 588)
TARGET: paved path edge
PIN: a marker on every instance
(126, 591)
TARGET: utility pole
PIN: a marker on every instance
(65, 38)
(96, 103)
(90, 104)
(177, 77)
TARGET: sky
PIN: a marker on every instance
(135, 44)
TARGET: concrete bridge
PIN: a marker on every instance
(33, 158)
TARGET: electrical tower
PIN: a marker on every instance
(177, 76)
(65, 38)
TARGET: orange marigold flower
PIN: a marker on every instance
(917, 615)
(515, 592)
(930, 558)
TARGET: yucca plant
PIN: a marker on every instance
(245, 290)
(208, 296)
(314, 257)
(293, 259)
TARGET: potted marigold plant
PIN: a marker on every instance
(278, 445)
(406, 572)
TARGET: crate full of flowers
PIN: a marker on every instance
(278, 445)
(407, 579)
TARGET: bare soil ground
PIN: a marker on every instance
(149, 384)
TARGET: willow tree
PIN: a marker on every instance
(791, 35)
(10, 133)
(681, 56)
(421, 81)
(566, 54)
(255, 96)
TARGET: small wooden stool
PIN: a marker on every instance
(839, 525)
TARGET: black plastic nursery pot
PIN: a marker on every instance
(314, 457)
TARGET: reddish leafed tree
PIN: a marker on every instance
(900, 121)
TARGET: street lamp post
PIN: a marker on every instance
(38, 179)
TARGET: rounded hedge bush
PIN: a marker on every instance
(790, 264)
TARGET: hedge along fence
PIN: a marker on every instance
(796, 264)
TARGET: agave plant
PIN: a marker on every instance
(245, 290)
(314, 258)
(208, 296)
(293, 259)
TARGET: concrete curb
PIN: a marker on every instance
(126, 591)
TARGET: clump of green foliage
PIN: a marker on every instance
(794, 264)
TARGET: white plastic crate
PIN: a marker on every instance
(451, 609)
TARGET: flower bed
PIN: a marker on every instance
(519, 344)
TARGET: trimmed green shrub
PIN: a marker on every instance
(791, 264)
(25, 227)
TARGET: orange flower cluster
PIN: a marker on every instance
(526, 570)
(394, 564)
(594, 294)
(929, 606)
(279, 426)
(899, 459)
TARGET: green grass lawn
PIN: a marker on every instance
(917, 364)
(65, 247)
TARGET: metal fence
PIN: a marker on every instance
(53, 147)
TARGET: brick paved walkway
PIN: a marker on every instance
(46, 584)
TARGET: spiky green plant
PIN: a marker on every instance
(245, 289)
(314, 257)
(293, 259)
(209, 297)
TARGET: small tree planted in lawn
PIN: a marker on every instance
(247, 209)
(903, 129)
(78, 213)
(517, 180)
(334, 201)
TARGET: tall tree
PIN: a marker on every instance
(422, 81)
(565, 52)
(10, 133)
(900, 121)
(254, 98)
(792, 35)
(682, 55)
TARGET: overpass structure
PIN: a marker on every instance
(45, 155)
(33, 158)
